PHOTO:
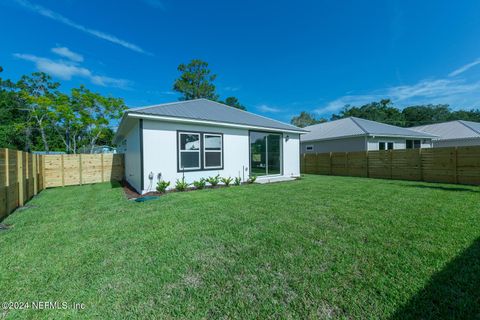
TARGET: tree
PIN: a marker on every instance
(305, 119)
(96, 113)
(426, 114)
(233, 102)
(38, 92)
(196, 81)
(381, 111)
(12, 117)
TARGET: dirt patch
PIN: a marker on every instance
(4, 226)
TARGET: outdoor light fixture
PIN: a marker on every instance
(287, 138)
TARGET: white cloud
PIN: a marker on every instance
(456, 92)
(464, 68)
(68, 70)
(67, 53)
(99, 34)
(267, 109)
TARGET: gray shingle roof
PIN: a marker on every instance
(458, 129)
(352, 126)
(203, 109)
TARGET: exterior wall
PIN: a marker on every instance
(398, 143)
(336, 145)
(291, 154)
(160, 153)
(356, 144)
(456, 143)
(131, 147)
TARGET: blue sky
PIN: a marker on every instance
(277, 57)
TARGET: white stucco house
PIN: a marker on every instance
(457, 133)
(201, 138)
(355, 134)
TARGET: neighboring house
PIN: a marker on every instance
(97, 150)
(201, 138)
(456, 133)
(355, 134)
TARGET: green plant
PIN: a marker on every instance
(162, 185)
(238, 181)
(252, 179)
(227, 181)
(214, 180)
(181, 185)
(200, 184)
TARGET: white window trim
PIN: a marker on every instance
(218, 151)
(413, 144)
(180, 151)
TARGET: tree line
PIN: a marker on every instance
(384, 111)
(35, 115)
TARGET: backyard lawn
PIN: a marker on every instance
(320, 247)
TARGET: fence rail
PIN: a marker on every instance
(449, 165)
(23, 175)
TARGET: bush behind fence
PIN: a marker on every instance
(448, 165)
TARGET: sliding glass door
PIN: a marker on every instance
(265, 153)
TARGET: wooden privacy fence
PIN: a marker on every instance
(23, 175)
(77, 169)
(449, 165)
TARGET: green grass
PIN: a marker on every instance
(321, 247)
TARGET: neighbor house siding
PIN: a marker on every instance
(160, 152)
(132, 157)
(335, 145)
(398, 143)
(456, 143)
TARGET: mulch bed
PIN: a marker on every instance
(131, 194)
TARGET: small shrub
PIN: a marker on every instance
(162, 185)
(200, 184)
(238, 181)
(214, 180)
(181, 185)
(252, 179)
(227, 181)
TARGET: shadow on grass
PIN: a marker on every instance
(453, 293)
(115, 184)
(445, 188)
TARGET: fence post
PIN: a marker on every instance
(420, 163)
(34, 174)
(62, 170)
(391, 163)
(366, 161)
(7, 182)
(330, 164)
(42, 160)
(20, 178)
(101, 163)
(455, 164)
(80, 167)
(347, 171)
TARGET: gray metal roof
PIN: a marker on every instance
(457, 129)
(352, 126)
(207, 110)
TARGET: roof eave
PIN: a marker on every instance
(208, 122)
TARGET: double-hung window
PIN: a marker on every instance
(413, 144)
(189, 151)
(382, 145)
(212, 151)
(200, 151)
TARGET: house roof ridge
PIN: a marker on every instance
(353, 119)
(468, 126)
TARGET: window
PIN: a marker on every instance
(189, 151)
(310, 147)
(212, 153)
(200, 151)
(382, 145)
(413, 144)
